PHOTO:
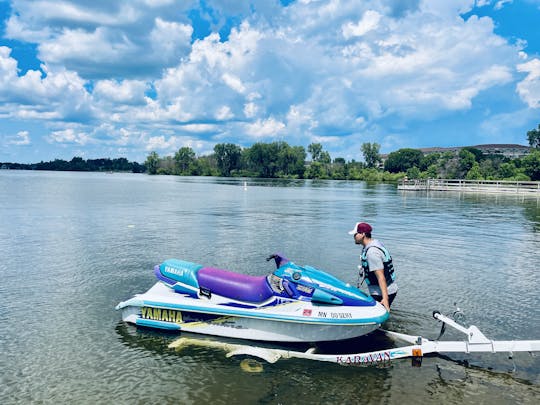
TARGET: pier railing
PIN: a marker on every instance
(490, 186)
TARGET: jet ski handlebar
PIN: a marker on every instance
(278, 258)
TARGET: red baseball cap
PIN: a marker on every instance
(361, 227)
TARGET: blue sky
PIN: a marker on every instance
(124, 78)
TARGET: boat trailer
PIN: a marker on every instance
(475, 342)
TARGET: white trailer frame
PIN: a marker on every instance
(476, 342)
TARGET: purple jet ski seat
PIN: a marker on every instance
(241, 287)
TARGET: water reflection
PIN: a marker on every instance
(288, 381)
(462, 383)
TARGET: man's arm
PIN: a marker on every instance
(384, 288)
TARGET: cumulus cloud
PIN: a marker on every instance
(500, 4)
(529, 88)
(124, 92)
(234, 83)
(69, 135)
(54, 94)
(368, 22)
(103, 39)
(264, 128)
(21, 139)
(250, 110)
(160, 143)
(170, 144)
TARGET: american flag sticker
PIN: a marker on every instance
(307, 312)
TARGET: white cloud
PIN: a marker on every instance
(529, 88)
(326, 139)
(500, 4)
(199, 128)
(158, 3)
(508, 126)
(125, 92)
(168, 38)
(224, 113)
(160, 143)
(95, 47)
(482, 3)
(53, 10)
(446, 9)
(21, 139)
(8, 66)
(56, 94)
(264, 128)
(19, 30)
(100, 40)
(170, 145)
(69, 135)
(368, 22)
(250, 110)
(233, 82)
(301, 117)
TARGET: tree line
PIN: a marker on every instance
(280, 160)
(78, 164)
(265, 160)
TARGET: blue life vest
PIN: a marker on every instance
(388, 267)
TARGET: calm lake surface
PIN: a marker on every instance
(73, 245)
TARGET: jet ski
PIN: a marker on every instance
(292, 304)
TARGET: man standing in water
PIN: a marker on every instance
(376, 265)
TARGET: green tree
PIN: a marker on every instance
(428, 160)
(339, 169)
(531, 165)
(324, 158)
(320, 162)
(478, 154)
(315, 149)
(413, 173)
(152, 163)
(371, 154)
(167, 165)
(291, 160)
(490, 166)
(474, 172)
(78, 164)
(466, 160)
(402, 160)
(228, 157)
(262, 159)
(121, 164)
(431, 172)
(183, 159)
(507, 170)
(206, 166)
(534, 137)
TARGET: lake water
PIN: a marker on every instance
(73, 245)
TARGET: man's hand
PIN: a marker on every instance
(384, 301)
(384, 289)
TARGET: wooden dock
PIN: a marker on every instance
(475, 186)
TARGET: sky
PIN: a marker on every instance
(124, 78)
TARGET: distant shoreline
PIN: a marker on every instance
(78, 164)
